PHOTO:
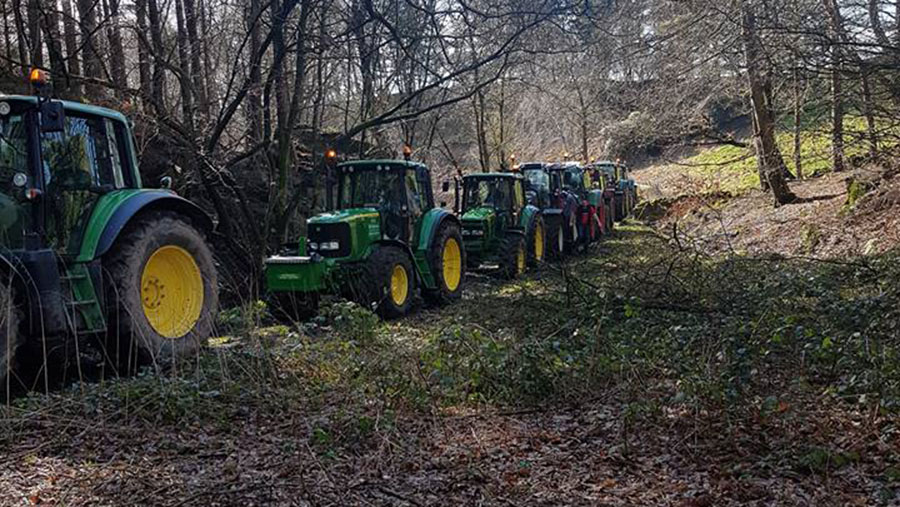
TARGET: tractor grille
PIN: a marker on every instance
(329, 233)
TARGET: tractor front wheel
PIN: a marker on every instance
(446, 259)
(390, 276)
(537, 237)
(513, 257)
(163, 291)
(556, 241)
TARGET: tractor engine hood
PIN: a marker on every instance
(344, 233)
(478, 222)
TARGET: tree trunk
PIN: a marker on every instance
(867, 107)
(837, 92)
(767, 152)
(50, 22)
(145, 79)
(159, 53)
(35, 44)
(87, 13)
(798, 119)
(116, 51)
(73, 61)
(254, 94)
(184, 66)
(194, 45)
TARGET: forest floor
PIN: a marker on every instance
(649, 372)
(822, 224)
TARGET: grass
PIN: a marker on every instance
(733, 169)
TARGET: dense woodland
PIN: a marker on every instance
(237, 100)
(734, 343)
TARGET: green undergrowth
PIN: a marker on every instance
(672, 327)
(733, 169)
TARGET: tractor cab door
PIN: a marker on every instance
(518, 194)
(419, 200)
(79, 165)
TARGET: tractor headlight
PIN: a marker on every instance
(330, 245)
(477, 232)
(313, 246)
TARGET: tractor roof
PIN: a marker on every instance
(381, 162)
(493, 176)
(76, 107)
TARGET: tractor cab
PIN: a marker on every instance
(375, 200)
(491, 203)
(540, 184)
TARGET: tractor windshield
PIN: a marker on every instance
(486, 193)
(13, 158)
(538, 180)
(573, 178)
(371, 187)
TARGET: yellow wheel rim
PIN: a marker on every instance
(172, 291)
(520, 260)
(451, 260)
(399, 285)
(539, 242)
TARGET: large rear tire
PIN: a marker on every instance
(10, 338)
(513, 257)
(447, 258)
(391, 280)
(537, 241)
(556, 240)
(163, 291)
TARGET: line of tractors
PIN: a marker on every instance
(90, 256)
(382, 239)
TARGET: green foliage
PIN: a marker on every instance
(733, 169)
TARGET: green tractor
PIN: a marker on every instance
(381, 241)
(499, 226)
(88, 256)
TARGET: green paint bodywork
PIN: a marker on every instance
(84, 299)
(365, 229)
(104, 209)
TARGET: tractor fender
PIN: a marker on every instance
(431, 223)
(114, 218)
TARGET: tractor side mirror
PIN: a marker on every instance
(445, 187)
(53, 116)
(165, 182)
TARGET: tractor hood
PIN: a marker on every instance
(479, 215)
(345, 215)
(343, 234)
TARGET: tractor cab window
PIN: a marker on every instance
(13, 152)
(78, 165)
(415, 193)
(13, 161)
(371, 187)
(538, 180)
(573, 179)
(555, 181)
(487, 193)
